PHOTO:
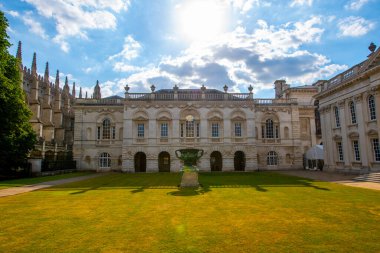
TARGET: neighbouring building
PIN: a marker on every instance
(52, 111)
(141, 131)
(349, 106)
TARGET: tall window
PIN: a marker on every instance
(189, 128)
(140, 130)
(272, 158)
(355, 145)
(372, 107)
(238, 129)
(269, 129)
(106, 129)
(98, 133)
(353, 112)
(105, 160)
(113, 132)
(215, 130)
(337, 119)
(181, 130)
(376, 149)
(197, 129)
(164, 129)
(340, 151)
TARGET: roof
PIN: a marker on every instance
(114, 97)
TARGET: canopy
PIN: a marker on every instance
(315, 153)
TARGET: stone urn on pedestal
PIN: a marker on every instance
(189, 156)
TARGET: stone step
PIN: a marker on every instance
(373, 177)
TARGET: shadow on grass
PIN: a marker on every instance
(138, 183)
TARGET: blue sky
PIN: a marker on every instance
(193, 42)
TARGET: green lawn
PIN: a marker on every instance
(35, 180)
(233, 212)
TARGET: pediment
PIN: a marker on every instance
(353, 135)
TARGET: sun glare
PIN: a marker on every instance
(201, 20)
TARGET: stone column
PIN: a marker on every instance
(362, 132)
(346, 144)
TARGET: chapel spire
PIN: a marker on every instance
(34, 64)
(19, 52)
(57, 80)
(97, 94)
(80, 92)
(46, 76)
(73, 91)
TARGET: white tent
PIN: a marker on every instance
(315, 153)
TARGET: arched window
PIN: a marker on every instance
(106, 129)
(269, 129)
(353, 112)
(105, 160)
(372, 107)
(337, 119)
(272, 158)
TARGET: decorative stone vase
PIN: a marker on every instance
(189, 156)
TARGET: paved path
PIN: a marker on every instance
(332, 177)
(28, 188)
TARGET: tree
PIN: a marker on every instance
(17, 137)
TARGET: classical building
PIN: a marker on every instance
(52, 111)
(141, 131)
(349, 106)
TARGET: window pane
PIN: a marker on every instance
(190, 128)
(337, 119)
(238, 129)
(164, 130)
(340, 151)
(372, 108)
(215, 130)
(269, 129)
(356, 150)
(140, 130)
(353, 112)
(106, 129)
(376, 149)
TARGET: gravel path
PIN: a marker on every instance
(28, 188)
(332, 177)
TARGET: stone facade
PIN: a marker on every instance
(52, 111)
(349, 106)
(141, 132)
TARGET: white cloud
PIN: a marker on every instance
(355, 4)
(13, 13)
(301, 2)
(73, 18)
(121, 61)
(354, 26)
(240, 58)
(131, 49)
(34, 26)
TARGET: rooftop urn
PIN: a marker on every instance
(225, 88)
(126, 88)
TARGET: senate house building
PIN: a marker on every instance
(141, 131)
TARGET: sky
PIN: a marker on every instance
(191, 43)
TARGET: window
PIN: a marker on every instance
(372, 107)
(269, 129)
(272, 158)
(355, 145)
(164, 129)
(98, 135)
(214, 130)
(105, 160)
(353, 112)
(113, 132)
(340, 151)
(376, 149)
(181, 130)
(238, 129)
(198, 130)
(106, 129)
(140, 130)
(337, 120)
(189, 128)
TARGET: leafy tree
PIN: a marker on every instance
(17, 137)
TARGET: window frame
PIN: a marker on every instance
(376, 149)
(272, 158)
(337, 117)
(140, 130)
(352, 107)
(105, 160)
(356, 149)
(372, 108)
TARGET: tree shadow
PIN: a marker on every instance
(138, 183)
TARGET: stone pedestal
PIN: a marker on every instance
(190, 179)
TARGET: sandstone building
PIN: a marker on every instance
(141, 131)
(349, 109)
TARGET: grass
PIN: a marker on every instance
(233, 212)
(35, 180)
